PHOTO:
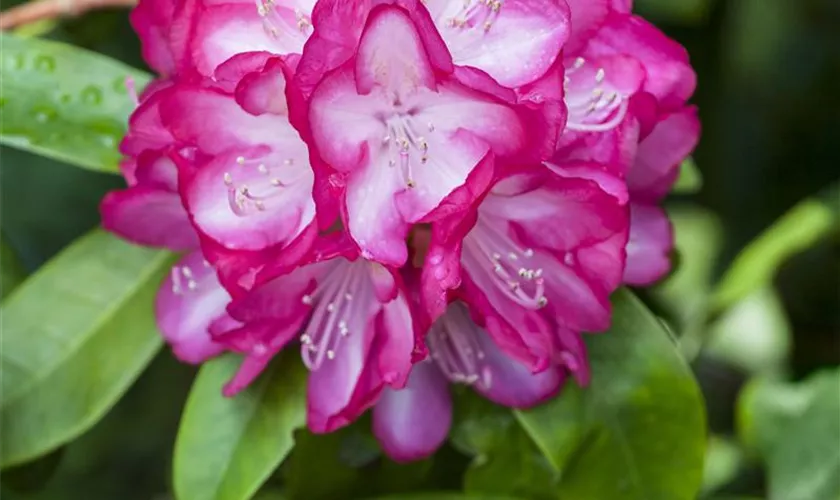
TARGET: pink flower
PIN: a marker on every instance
(226, 28)
(611, 58)
(513, 41)
(296, 150)
(627, 84)
(544, 253)
(163, 37)
(397, 127)
(149, 212)
(189, 301)
(189, 38)
(654, 171)
(246, 185)
(355, 328)
(411, 423)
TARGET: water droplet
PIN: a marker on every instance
(91, 95)
(108, 140)
(45, 63)
(118, 85)
(43, 114)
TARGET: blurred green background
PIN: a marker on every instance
(769, 102)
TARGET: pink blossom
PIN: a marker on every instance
(632, 116)
(188, 302)
(397, 127)
(226, 28)
(544, 253)
(149, 212)
(296, 150)
(654, 171)
(247, 185)
(189, 38)
(354, 324)
(412, 422)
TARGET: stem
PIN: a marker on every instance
(50, 9)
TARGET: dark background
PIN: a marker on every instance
(769, 99)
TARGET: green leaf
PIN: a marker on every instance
(12, 272)
(30, 221)
(690, 180)
(228, 447)
(806, 463)
(445, 496)
(753, 335)
(33, 476)
(723, 462)
(75, 336)
(351, 465)
(756, 265)
(337, 475)
(794, 428)
(641, 401)
(506, 459)
(691, 12)
(685, 293)
(64, 102)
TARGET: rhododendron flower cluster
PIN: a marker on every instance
(412, 193)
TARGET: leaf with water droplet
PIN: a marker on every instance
(64, 102)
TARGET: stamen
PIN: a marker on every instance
(512, 274)
(481, 13)
(454, 346)
(404, 138)
(596, 110)
(328, 324)
(274, 21)
(182, 280)
(245, 200)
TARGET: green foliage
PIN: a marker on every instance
(37, 210)
(12, 272)
(677, 11)
(75, 335)
(685, 294)
(756, 265)
(753, 335)
(69, 104)
(336, 475)
(446, 496)
(690, 180)
(227, 447)
(642, 400)
(723, 461)
(794, 428)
